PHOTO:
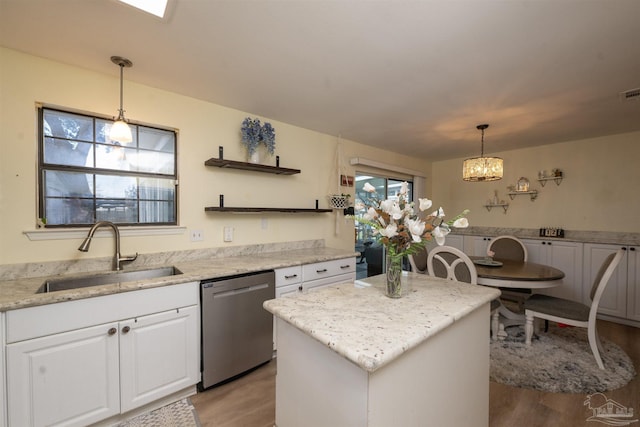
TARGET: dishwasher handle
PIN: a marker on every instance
(240, 290)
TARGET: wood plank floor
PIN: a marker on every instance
(250, 400)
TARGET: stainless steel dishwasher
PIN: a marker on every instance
(237, 333)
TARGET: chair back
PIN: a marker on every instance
(452, 264)
(602, 279)
(508, 247)
(418, 261)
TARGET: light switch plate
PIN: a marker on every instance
(228, 234)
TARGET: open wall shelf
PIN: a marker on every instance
(504, 206)
(259, 210)
(232, 164)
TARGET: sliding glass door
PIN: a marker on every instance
(372, 260)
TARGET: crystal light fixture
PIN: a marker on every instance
(120, 130)
(482, 168)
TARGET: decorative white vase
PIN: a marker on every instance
(259, 155)
(254, 157)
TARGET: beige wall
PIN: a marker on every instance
(600, 191)
(26, 80)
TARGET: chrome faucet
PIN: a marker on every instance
(117, 259)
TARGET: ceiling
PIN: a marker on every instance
(414, 77)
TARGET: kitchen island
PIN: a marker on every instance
(350, 356)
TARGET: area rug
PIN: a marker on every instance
(558, 361)
(178, 414)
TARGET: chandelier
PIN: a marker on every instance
(482, 168)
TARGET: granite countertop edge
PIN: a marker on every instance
(22, 293)
(337, 315)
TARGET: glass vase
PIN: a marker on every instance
(394, 276)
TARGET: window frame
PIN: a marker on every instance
(43, 167)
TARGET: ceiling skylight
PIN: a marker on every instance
(154, 7)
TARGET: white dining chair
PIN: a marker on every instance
(418, 261)
(510, 248)
(571, 312)
(452, 264)
(507, 247)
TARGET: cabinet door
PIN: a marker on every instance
(614, 298)
(333, 280)
(567, 257)
(536, 251)
(68, 379)
(633, 283)
(480, 244)
(159, 355)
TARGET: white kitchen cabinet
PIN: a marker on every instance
(633, 283)
(478, 246)
(158, 355)
(453, 240)
(621, 297)
(565, 256)
(69, 378)
(327, 273)
(81, 369)
(302, 278)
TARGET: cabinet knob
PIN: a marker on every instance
(300, 288)
(544, 243)
(549, 243)
(112, 331)
(126, 329)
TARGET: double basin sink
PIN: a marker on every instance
(109, 278)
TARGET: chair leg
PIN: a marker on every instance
(528, 327)
(494, 324)
(594, 343)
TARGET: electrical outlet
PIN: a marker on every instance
(228, 234)
(197, 235)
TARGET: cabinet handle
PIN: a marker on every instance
(292, 276)
(544, 243)
(345, 266)
(624, 248)
(300, 288)
(632, 248)
(549, 243)
(324, 270)
(126, 329)
(112, 331)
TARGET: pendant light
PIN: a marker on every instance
(120, 130)
(482, 168)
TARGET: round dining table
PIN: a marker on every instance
(502, 273)
(516, 274)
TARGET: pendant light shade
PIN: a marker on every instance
(482, 168)
(120, 130)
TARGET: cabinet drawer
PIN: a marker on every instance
(288, 276)
(324, 269)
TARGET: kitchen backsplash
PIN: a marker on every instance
(41, 269)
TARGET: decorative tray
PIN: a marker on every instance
(487, 262)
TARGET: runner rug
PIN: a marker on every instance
(558, 361)
(178, 414)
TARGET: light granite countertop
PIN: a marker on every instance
(363, 325)
(20, 293)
